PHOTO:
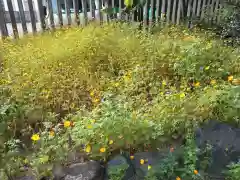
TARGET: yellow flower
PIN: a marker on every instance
(212, 82)
(207, 68)
(197, 84)
(182, 95)
(142, 161)
(102, 150)
(111, 142)
(164, 83)
(131, 157)
(195, 172)
(149, 167)
(93, 121)
(96, 100)
(178, 178)
(92, 93)
(35, 137)
(51, 133)
(88, 149)
(89, 126)
(127, 77)
(230, 78)
(116, 84)
(67, 124)
(25, 161)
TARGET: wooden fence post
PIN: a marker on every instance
(22, 16)
(12, 17)
(76, 11)
(3, 25)
(85, 15)
(41, 15)
(50, 11)
(32, 16)
(59, 11)
(67, 11)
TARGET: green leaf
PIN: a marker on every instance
(128, 3)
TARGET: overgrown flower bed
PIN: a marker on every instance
(102, 90)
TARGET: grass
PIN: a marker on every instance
(111, 88)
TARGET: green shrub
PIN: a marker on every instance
(140, 89)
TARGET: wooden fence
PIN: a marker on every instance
(18, 17)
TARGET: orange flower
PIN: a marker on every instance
(178, 178)
(195, 172)
(230, 78)
(197, 84)
(67, 124)
(102, 150)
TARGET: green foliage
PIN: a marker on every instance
(120, 87)
(234, 171)
(180, 163)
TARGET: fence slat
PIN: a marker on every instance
(180, 6)
(59, 11)
(67, 12)
(50, 11)
(220, 11)
(115, 9)
(120, 8)
(216, 10)
(145, 18)
(157, 12)
(194, 9)
(212, 11)
(12, 17)
(174, 11)
(84, 8)
(76, 11)
(163, 12)
(3, 25)
(32, 16)
(22, 16)
(99, 7)
(207, 11)
(152, 15)
(199, 8)
(168, 10)
(41, 15)
(92, 9)
(106, 5)
(189, 13)
(203, 10)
